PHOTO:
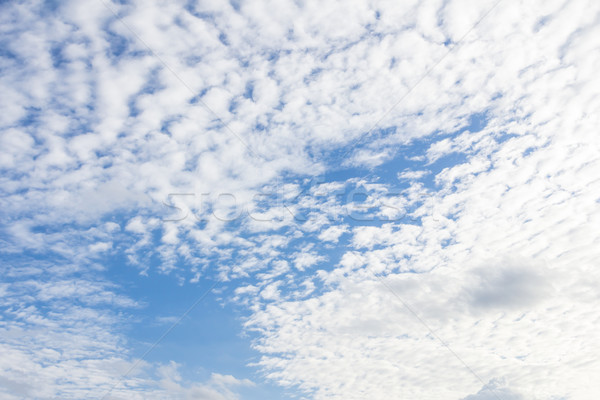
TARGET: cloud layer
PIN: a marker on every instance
(403, 198)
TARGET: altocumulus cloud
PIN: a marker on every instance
(462, 138)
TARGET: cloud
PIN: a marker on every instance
(218, 387)
(306, 258)
(411, 175)
(499, 268)
(104, 139)
(511, 283)
(66, 339)
(333, 233)
(493, 390)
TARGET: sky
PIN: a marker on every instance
(284, 199)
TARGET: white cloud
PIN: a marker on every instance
(306, 258)
(493, 390)
(502, 269)
(96, 127)
(413, 175)
(333, 233)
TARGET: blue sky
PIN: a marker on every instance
(314, 200)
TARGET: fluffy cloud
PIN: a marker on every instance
(498, 268)
(188, 132)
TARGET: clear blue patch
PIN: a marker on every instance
(249, 90)
(209, 339)
(312, 75)
(273, 56)
(478, 121)
(235, 4)
(223, 39)
(190, 7)
(117, 45)
(151, 86)
(198, 97)
(50, 6)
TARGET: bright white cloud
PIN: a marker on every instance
(505, 259)
(333, 233)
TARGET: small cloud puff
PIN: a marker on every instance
(333, 233)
